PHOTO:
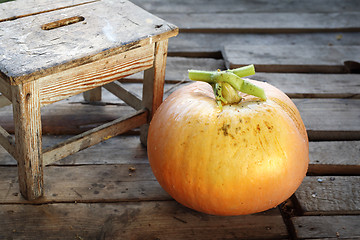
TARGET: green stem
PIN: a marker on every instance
(244, 71)
(217, 79)
(252, 89)
(204, 76)
(228, 77)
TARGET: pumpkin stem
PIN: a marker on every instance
(226, 84)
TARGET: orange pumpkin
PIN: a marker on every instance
(244, 158)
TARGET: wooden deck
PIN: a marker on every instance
(309, 49)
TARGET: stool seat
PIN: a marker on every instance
(49, 53)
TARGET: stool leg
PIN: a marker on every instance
(93, 95)
(153, 88)
(27, 119)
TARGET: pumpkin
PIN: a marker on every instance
(237, 159)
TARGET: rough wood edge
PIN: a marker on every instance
(28, 135)
(127, 96)
(94, 136)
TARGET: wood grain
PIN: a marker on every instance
(303, 59)
(133, 220)
(76, 80)
(27, 119)
(323, 227)
(329, 195)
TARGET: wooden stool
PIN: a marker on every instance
(63, 50)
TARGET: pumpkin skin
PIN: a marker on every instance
(245, 159)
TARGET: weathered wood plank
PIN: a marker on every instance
(21, 8)
(283, 22)
(339, 227)
(329, 195)
(88, 183)
(242, 6)
(94, 136)
(27, 119)
(331, 158)
(211, 44)
(76, 80)
(133, 220)
(314, 85)
(303, 59)
(330, 119)
(66, 47)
